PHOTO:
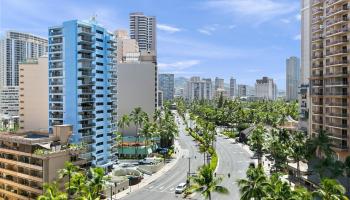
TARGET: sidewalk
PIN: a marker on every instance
(154, 176)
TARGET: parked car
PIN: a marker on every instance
(180, 188)
(148, 161)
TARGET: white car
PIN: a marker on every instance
(180, 188)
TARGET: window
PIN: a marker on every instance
(99, 40)
(99, 48)
(99, 32)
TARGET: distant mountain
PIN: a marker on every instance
(180, 82)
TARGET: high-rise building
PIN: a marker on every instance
(166, 85)
(219, 83)
(242, 90)
(143, 30)
(16, 47)
(82, 84)
(137, 87)
(197, 89)
(33, 94)
(126, 47)
(233, 87)
(265, 88)
(292, 78)
(330, 72)
(304, 98)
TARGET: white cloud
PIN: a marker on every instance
(168, 28)
(179, 65)
(297, 37)
(298, 17)
(208, 29)
(257, 10)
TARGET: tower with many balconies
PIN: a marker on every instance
(329, 71)
(81, 86)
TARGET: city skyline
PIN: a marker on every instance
(225, 44)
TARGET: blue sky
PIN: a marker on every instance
(245, 39)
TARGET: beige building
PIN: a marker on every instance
(33, 94)
(330, 72)
(30, 159)
(137, 86)
(126, 47)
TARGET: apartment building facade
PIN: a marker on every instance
(166, 85)
(330, 72)
(82, 83)
(197, 89)
(265, 88)
(16, 47)
(292, 78)
(30, 159)
(143, 29)
(33, 94)
(233, 87)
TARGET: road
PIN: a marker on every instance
(163, 188)
(233, 159)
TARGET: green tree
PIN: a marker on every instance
(257, 140)
(97, 182)
(301, 193)
(51, 192)
(320, 145)
(206, 183)
(278, 189)
(347, 172)
(255, 185)
(297, 150)
(68, 171)
(330, 189)
(123, 123)
(137, 116)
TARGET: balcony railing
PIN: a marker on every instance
(336, 31)
(336, 42)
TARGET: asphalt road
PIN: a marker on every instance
(233, 159)
(164, 187)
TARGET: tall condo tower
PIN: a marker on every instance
(143, 30)
(82, 83)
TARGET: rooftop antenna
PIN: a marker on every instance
(93, 18)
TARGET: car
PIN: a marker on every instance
(148, 161)
(180, 188)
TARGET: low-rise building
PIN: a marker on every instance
(30, 159)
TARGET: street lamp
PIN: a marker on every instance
(111, 185)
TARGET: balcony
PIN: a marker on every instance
(317, 47)
(56, 115)
(320, 65)
(337, 32)
(334, 63)
(316, 11)
(336, 114)
(337, 52)
(336, 74)
(86, 91)
(336, 42)
(316, 20)
(56, 99)
(336, 104)
(84, 31)
(85, 100)
(332, 12)
(337, 21)
(56, 40)
(336, 93)
(55, 65)
(333, 2)
(85, 40)
(84, 73)
(317, 38)
(56, 107)
(55, 32)
(56, 91)
(85, 48)
(85, 108)
(316, 2)
(56, 74)
(335, 83)
(84, 56)
(317, 56)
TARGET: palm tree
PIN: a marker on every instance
(68, 171)
(257, 141)
(145, 132)
(320, 145)
(278, 189)
(123, 123)
(206, 183)
(301, 193)
(137, 117)
(97, 182)
(255, 186)
(78, 185)
(51, 192)
(330, 189)
(297, 150)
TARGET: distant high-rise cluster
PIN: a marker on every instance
(16, 47)
(166, 85)
(143, 30)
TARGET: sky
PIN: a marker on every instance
(244, 39)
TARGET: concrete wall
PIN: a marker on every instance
(33, 95)
(136, 86)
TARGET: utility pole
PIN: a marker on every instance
(189, 166)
